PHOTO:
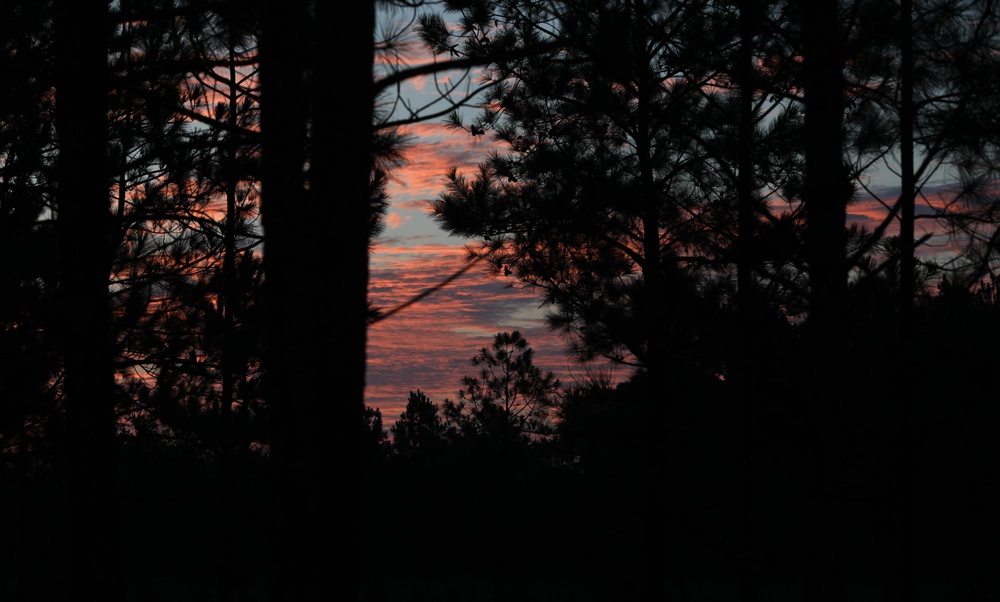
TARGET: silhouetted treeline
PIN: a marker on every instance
(806, 406)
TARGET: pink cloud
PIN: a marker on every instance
(416, 205)
(429, 345)
(395, 220)
(440, 148)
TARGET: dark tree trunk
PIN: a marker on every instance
(286, 386)
(227, 305)
(316, 281)
(746, 365)
(657, 549)
(341, 204)
(657, 387)
(84, 261)
(902, 506)
(825, 195)
(345, 162)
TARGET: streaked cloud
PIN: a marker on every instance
(429, 345)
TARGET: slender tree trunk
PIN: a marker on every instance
(283, 56)
(826, 192)
(656, 507)
(227, 303)
(746, 366)
(902, 506)
(83, 224)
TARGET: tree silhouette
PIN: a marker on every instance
(550, 208)
(508, 402)
(377, 447)
(607, 201)
(421, 433)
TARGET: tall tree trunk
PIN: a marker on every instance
(83, 224)
(283, 56)
(826, 192)
(657, 515)
(746, 365)
(340, 199)
(342, 195)
(227, 305)
(902, 506)
(657, 421)
(316, 283)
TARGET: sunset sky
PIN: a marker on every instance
(429, 345)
